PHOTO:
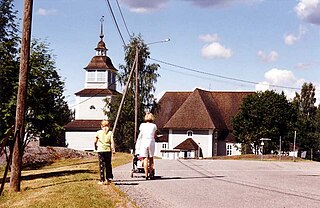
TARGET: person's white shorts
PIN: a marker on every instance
(147, 149)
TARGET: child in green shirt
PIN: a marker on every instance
(104, 145)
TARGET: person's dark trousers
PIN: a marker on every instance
(105, 165)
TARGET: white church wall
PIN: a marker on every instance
(90, 108)
(81, 140)
(203, 140)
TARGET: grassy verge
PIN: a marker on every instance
(67, 183)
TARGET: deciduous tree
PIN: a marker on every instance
(9, 65)
(308, 133)
(147, 76)
(264, 115)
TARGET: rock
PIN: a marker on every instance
(40, 156)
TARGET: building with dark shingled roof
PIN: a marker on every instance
(100, 84)
(201, 116)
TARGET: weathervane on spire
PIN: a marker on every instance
(101, 32)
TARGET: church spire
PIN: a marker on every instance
(101, 47)
(101, 30)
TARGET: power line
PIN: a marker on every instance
(202, 77)
(222, 77)
(124, 21)
(98, 92)
(115, 21)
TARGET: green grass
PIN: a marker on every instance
(67, 183)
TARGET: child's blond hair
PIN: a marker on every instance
(149, 117)
(105, 123)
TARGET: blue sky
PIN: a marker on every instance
(220, 45)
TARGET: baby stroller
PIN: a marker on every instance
(138, 166)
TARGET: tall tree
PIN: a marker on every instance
(147, 76)
(9, 66)
(48, 111)
(263, 115)
(308, 133)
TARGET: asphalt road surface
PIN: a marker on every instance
(224, 183)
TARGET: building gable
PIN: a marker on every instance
(187, 144)
(197, 112)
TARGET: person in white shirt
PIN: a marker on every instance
(146, 144)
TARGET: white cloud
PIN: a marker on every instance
(213, 49)
(263, 86)
(216, 50)
(220, 3)
(46, 12)
(309, 11)
(303, 65)
(144, 6)
(208, 38)
(280, 76)
(283, 80)
(290, 39)
(272, 56)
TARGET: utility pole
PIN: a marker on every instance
(280, 148)
(136, 97)
(16, 167)
(294, 146)
(125, 92)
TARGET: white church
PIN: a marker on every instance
(100, 84)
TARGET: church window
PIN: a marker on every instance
(101, 76)
(91, 76)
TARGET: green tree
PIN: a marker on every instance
(9, 66)
(264, 115)
(308, 118)
(47, 110)
(147, 77)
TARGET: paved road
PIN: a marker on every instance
(224, 183)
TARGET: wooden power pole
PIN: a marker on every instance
(136, 97)
(21, 98)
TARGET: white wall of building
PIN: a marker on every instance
(160, 146)
(233, 149)
(90, 108)
(204, 141)
(80, 140)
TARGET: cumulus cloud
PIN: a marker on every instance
(46, 12)
(213, 49)
(272, 56)
(309, 11)
(280, 76)
(281, 80)
(216, 50)
(221, 3)
(290, 39)
(144, 6)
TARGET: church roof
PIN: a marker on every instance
(83, 125)
(101, 63)
(188, 144)
(96, 92)
(199, 109)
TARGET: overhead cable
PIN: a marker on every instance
(115, 21)
(124, 21)
(222, 77)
